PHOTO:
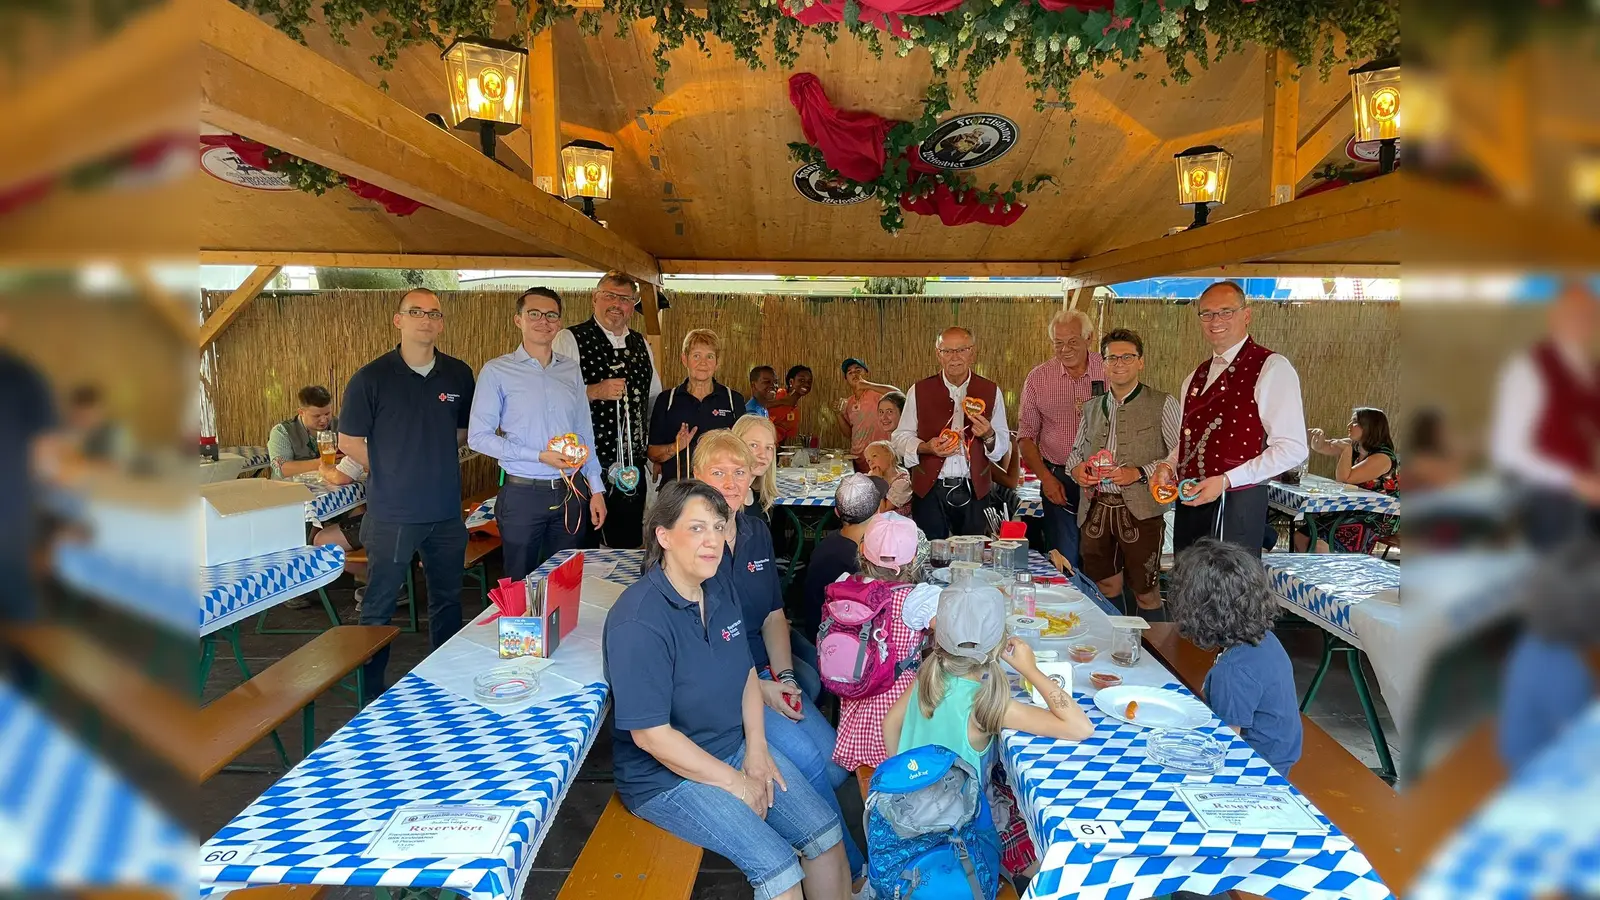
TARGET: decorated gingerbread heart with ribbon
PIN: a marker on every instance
(973, 406)
(570, 448)
(1164, 483)
(1101, 465)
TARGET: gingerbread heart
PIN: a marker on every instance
(973, 406)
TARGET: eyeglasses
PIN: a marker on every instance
(615, 297)
(1122, 358)
(952, 351)
(534, 315)
(1207, 315)
(1072, 343)
(419, 313)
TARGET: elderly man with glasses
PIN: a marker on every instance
(954, 425)
(404, 418)
(1120, 522)
(1047, 426)
(1243, 422)
(621, 381)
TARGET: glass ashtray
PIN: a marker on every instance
(1185, 751)
(507, 683)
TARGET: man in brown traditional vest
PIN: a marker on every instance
(1546, 432)
(947, 447)
(1243, 423)
(1120, 524)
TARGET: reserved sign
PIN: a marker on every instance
(422, 829)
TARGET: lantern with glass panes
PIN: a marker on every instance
(486, 79)
(1203, 179)
(586, 173)
(1375, 88)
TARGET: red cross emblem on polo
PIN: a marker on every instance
(441, 397)
(750, 566)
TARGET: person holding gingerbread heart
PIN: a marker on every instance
(1124, 437)
(531, 414)
(954, 425)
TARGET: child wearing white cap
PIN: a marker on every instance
(961, 699)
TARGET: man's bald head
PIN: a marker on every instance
(1572, 313)
(1224, 315)
(1228, 289)
(420, 318)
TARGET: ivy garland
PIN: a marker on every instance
(302, 173)
(1055, 48)
(898, 180)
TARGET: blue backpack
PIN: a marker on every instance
(930, 835)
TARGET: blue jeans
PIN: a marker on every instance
(1061, 522)
(390, 546)
(805, 664)
(763, 849)
(808, 743)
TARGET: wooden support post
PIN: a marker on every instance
(541, 118)
(1280, 126)
(235, 304)
(179, 315)
(1078, 295)
(652, 317)
(1331, 132)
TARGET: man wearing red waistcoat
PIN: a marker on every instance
(1243, 423)
(950, 476)
(1546, 433)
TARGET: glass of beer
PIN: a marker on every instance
(327, 445)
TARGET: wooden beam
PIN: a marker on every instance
(224, 315)
(134, 86)
(1330, 132)
(388, 260)
(1280, 125)
(180, 316)
(259, 83)
(1299, 270)
(863, 269)
(1078, 296)
(542, 117)
(1450, 229)
(1333, 217)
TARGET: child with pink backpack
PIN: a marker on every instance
(874, 629)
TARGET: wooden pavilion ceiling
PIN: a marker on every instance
(702, 169)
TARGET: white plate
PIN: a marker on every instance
(1052, 596)
(1158, 708)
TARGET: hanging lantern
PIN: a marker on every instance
(1203, 179)
(486, 79)
(1586, 183)
(586, 173)
(1375, 88)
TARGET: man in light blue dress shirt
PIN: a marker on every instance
(524, 399)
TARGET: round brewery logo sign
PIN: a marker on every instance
(818, 186)
(967, 142)
(1366, 151)
(222, 162)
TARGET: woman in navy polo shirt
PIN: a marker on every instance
(723, 460)
(690, 750)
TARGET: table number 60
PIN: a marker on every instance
(226, 853)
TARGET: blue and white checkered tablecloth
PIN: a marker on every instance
(1538, 837)
(233, 591)
(1164, 848)
(155, 592)
(1323, 586)
(255, 458)
(421, 743)
(333, 500)
(482, 515)
(1316, 494)
(792, 491)
(70, 823)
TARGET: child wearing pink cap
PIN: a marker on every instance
(895, 550)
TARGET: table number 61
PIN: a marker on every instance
(1093, 830)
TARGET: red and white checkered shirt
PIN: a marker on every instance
(1052, 405)
(860, 740)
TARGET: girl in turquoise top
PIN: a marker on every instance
(961, 699)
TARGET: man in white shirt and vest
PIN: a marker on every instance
(1243, 423)
(954, 425)
(621, 381)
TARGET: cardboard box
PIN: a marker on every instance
(250, 517)
(226, 468)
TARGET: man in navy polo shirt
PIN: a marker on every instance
(405, 419)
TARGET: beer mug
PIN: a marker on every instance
(327, 446)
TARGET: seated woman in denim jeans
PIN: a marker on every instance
(690, 750)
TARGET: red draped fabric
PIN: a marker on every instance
(852, 144)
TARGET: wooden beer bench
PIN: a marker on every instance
(627, 858)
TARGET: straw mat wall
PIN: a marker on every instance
(1347, 353)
